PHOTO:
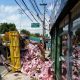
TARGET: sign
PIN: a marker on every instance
(35, 25)
(36, 39)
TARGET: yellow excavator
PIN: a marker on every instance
(12, 62)
(11, 41)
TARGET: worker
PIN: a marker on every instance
(40, 45)
(22, 44)
(2, 51)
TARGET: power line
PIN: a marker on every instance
(28, 10)
(44, 5)
(23, 10)
(46, 11)
(33, 6)
(39, 17)
(35, 10)
(38, 8)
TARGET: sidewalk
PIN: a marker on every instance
(12, 76)
(16, 76)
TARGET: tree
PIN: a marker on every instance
(6, 27)
(23, 31)
(12, 27)
(32, 34)
(37, 34)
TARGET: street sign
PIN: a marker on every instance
(36, 39)
(35, 25)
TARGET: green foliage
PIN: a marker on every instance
(37, 34)
(6, 27)
(32, 35)
(23, 31)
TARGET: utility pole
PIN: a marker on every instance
(44, 5)
(44, 31)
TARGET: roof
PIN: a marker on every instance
(69, 5)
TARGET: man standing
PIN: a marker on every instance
(2, 51)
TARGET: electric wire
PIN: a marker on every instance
(39, 17)
(37, 7)
(38, 10)
(23, 10)
(46, 11)
(35, 10)
(29, 10)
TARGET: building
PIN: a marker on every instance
(65, 20)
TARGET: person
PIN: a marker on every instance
(45, 45)
(41, 44)
(2, 49)
(42, 49)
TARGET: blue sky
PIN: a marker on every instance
(7, 2)
(9, 12)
